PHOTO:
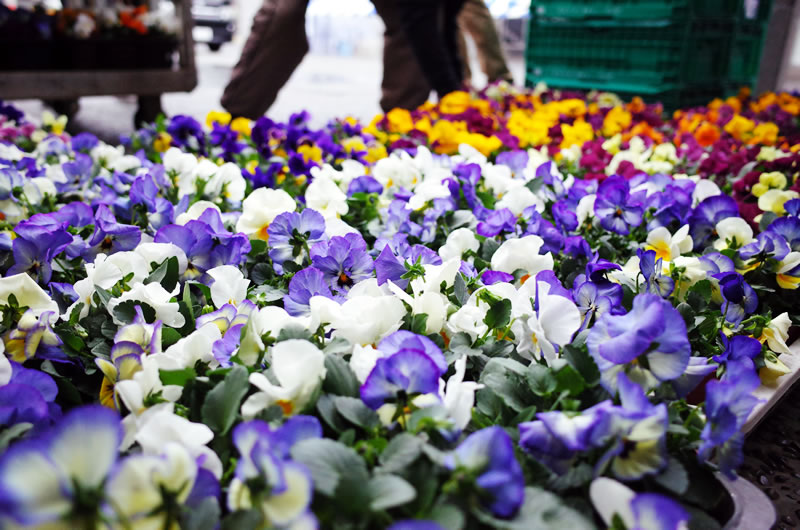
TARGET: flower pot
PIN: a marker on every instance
(752, 509)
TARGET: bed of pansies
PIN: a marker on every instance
(517, 309)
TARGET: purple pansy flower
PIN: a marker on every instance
(707, 214)
(653, 330)
(488, 456)
(304, 285)
(728, 405)
(399, 377)
(617, 210)
(343, 260)
(291, 234)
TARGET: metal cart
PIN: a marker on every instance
(66, 86)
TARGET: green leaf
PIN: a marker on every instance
(356, 412)
(541, 380)
(569, 379)
(418, 323)
(221, 405)
(103, 295)
(338, 346)
(328, 461)
(499, 314)
(505, 378)
(674, 477)
(766, 220)
(204, 516)
(541, 510)
(169, 336)
(177, 377)
(268, 293)
(687, 313)
(340, 379)
(327, 411)
(580, 359)
(261, 273)
(243, 520)
(126, 311)
(401, 452)
(460, 289)
(388, 491)
(166, 274)
(448, 516)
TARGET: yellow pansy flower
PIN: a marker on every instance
(769, 181)
(400, 121)
(216, 116)
(243, 126)
(162, 142)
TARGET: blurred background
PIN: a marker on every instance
(341, 74)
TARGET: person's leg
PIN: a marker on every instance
(452, 36)
(403, 85)
(476, 19)
(463, 51)
(434, 45)
(276, 45)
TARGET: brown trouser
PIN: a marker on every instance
(476, 20)
(278, 42)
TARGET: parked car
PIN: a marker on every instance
(214, 22)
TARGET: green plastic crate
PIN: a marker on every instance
(674, 98)
(627, 10)
(747, 43)
(633, 9)
(629, 56)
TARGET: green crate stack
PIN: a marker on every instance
(747, 43)
(678, 50)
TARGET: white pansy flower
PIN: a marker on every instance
(459, 396)
(299, 368)
(146, 382)
(260, 208)
(197, 346)
(363, 360)
(668, 246)
(159, 252)
(427, 191)
(735, 230)
(393, 172)
(195, 211)
(468, 319)
(227, 182)
(585, 209)
(704, 189)
(105, 154)
(518, 199)
(522, 253)
(27, 292)
(458, 242)
(154, 295)
(157, 430)
(324, 196)
(229, 287)
(125, 163)
(777, 333)
(360, 319)
(553, 325)
(135, 487)
(102, 273)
